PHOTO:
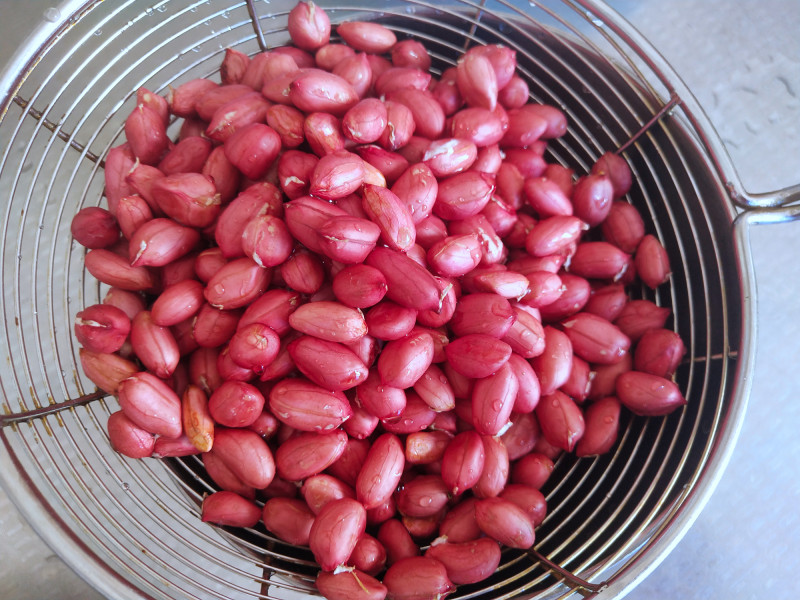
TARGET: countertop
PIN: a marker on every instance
(741, 59)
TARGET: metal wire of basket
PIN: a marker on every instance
(132, 528)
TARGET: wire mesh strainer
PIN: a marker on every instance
(132, 527)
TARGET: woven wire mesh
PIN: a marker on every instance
(132, 527)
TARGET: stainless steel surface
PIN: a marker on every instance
(774, 264)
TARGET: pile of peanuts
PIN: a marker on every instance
(363, 295)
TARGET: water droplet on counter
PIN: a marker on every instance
(52, 14)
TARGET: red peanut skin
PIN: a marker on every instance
(146, 133)
(382, 401)
(235, 404)
(505, 522)
(599, 260)
(422, 497)
(532, 470)
(229, 508)
(158, 242)
(623, 226)
(214, 327)
(561, 420)
(191, 199)
(592, 198)
(546, 197)
(416, 416)
(467, 562)
(368, 556)
(496, 468)
(391, 215)
(648, 395)
(425, 447)
(652, 262)
(177, 303)
(198, 426)
(331, 321)
(267, 241)
(596, 340)
(252, 149)
(303, 272)
(605, 377)
(154, 345)
(207, 99)
(402, 362)
(237, 284)
(463, 462)
(308, 454)
(350, 585)
(127, 438)
(435, 390)
(105, 370)
(459, 524)
(320, 489)
(417, 578)
(335, 531)
(428, 114)
(319, 91)
(521, 437)
(294, 172)
(477, 355)
(223, 477)
(638, 316)
(356, 70)
(529, 499)
(260, 199)
(348, 239)
(463, 195)
(397, 541)
(336, 175)
(580, 378)
(380, 474)
(554, 364)
(602, 427)
(102, 328)
(367, 37)
(493, 400)
(115, 270)
(308, 407)
(94, 227)
(151, 404)
(417, 188)
(128, 302)
(409, 283)
(482, 313)
(526, 334)
(309, 26)
(607, 301)
(362, 424)
(659, 352)
(477, 81)
(246, 455)
(289, 519)
(529, 390)
(254, 346)
(359, 286)
(328, 364)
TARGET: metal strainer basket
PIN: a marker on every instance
(132, 528)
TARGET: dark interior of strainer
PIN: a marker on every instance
(603, 512)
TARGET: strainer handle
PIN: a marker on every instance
(786, 211)
(766, 201)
